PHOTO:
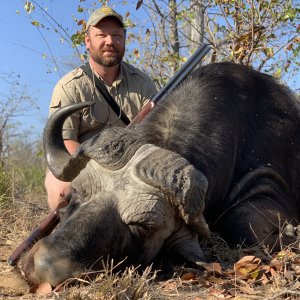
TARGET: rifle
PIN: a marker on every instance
(50, 222)
(45, 228)
(178, 77)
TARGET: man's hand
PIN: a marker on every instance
(71, 145)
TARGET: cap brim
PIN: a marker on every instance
(97, 20)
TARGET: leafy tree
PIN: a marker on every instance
(264, 34)
(17, 102)
(261, 33)
(26, 160)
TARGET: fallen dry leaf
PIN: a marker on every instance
(248, 266)
(249, 259)
(216, 293)
(247, 289)
(214, 279)
(170, 285)
(211, 267)
(189, 276)
(264, 279)
(296, 268)
(285, 254)
(203, 281)
(277, 264)
(273, 272)
(268, 271)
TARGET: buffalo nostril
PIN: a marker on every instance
(52, 266)
(43, 263)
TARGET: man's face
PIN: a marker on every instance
(106, 42)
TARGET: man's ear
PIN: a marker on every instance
(87, 41)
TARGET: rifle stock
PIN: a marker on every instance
(49, 223)
(45, 228)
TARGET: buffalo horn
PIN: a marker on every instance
(60, 162)
(183, 184)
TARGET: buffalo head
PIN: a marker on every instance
(131, 201)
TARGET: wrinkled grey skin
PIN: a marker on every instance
(132, 203)
(221, 149)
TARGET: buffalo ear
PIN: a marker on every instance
(184, 186)
(112, 148)
(75, 201)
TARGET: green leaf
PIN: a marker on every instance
(40, 153)
(286, 17)
(269, 52)
(278, 73)
(80, 9)
(29, 7)
(35, 23)
(78, 38)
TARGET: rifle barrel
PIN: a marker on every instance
(179, 76)
(183, 72)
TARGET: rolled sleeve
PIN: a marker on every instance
(62, 96)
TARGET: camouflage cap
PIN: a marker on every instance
(102, 13)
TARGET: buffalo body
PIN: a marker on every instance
(220, 152)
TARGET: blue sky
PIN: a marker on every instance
(22, 49)
(21, 53)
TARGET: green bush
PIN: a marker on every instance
(26, 161)
(32, 178)
(6, 186)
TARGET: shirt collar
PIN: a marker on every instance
(118, 79)
(120, 75)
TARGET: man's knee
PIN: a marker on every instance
(56, 190)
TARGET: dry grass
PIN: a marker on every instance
(19, 217)
(128, 284)
(274, 277)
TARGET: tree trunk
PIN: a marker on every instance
(197, 24)
(174, 32)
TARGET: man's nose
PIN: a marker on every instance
(109, 40)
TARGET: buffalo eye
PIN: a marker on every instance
(140, 231)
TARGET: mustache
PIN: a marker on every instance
(110, 48)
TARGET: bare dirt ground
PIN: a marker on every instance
(16, 222)
(233, 274)
(11, 282)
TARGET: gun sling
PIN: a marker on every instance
(104, 92)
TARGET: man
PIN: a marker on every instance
(131, 89)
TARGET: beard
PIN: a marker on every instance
(113, 59)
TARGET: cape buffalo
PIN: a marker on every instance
(220, 153)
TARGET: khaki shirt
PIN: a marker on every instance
(131, 90)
